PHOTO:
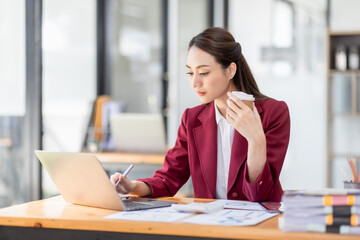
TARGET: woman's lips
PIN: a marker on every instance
(201, 93)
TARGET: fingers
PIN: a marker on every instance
(230, 115)
(236, 110)
(233, 106)
(255, 109)
(114, 178)
(257, 115)
(235, 102)
(124, 186)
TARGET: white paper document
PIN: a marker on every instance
(154, 215)
(230, 217)
(198, 207)
(245, 205)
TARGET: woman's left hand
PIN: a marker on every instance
(244, 119)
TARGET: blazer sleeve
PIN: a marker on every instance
(175, 171)
(277, 132)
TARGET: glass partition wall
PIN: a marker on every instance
(144, 65)
(135, 49)
(147, 47)
(12, 103)
(135, 45)
(69, 75)
(186, 18)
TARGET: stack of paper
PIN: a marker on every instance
(239, 213)
(328, 210)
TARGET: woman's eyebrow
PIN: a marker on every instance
(200, 66)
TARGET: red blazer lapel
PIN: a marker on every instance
(238, 154)
(205, 137)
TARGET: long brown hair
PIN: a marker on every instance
(219, 43)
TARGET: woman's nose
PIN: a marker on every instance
(196, 81)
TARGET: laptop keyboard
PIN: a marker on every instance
(132, 204)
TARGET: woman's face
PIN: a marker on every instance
(209, 80)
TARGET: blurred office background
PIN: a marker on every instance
(58, 56)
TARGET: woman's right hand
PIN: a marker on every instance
(125, 185)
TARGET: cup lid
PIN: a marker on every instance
(243, 96)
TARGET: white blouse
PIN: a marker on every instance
(225, 136)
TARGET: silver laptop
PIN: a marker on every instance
(138, 132)
(81, 179)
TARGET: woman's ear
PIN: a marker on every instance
(231, 70)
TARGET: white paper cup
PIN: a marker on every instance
(248, 99)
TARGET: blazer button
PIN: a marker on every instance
(260, 182)
(234, 195)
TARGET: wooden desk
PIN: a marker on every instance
(119, 157)
(53, 218)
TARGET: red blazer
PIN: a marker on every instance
(195, 155)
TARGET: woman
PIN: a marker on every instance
(230, 150)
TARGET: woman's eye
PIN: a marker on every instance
(190, 73)
(204, 74)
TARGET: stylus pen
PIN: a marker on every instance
(125, 173)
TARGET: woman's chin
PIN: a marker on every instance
(204, 100)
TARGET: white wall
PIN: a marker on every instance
(345, 15)
(304, 89)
